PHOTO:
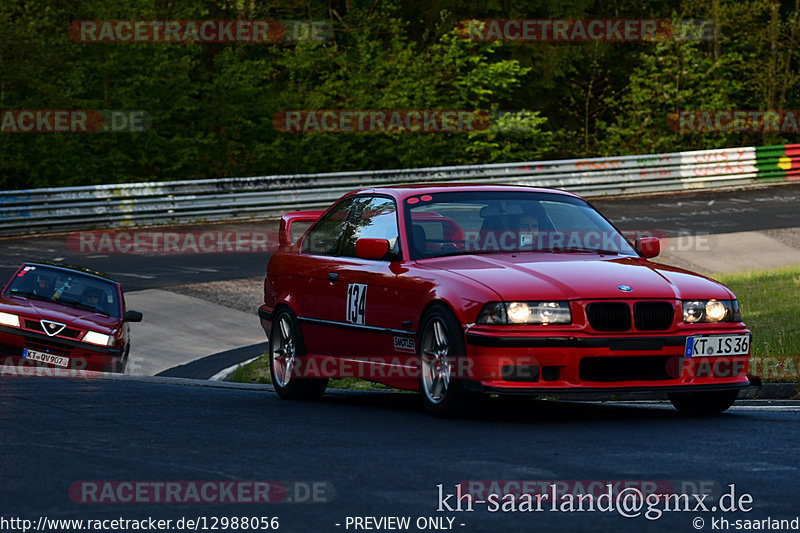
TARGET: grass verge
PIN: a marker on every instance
(258, 372)
(770, 302)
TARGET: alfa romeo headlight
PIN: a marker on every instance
(695, 311)
(100, 339)
(8, 319)
(542, 313)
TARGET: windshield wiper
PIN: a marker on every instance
(554, 249)
(82, 305)
(476, 252)
(31, 295)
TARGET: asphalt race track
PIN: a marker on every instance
(378, 454)
(374, 454)
(707, 211)
(135, 272)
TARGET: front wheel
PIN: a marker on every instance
(703, 402)
(286, 350)
(441, 343)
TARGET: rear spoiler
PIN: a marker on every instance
(285, 231)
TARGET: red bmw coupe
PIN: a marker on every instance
(64, 317)
(461, 291)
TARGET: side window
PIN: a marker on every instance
(323, 239)
(374, 217)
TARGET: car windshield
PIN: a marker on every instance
(66, 287)
(485, 222)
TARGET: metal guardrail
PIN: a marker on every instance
(138, 204)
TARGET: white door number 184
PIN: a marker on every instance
(356, 302)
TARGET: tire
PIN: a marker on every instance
(703, 403)
(440, 340)
(286, 350)
(123, 363)
(118, 366)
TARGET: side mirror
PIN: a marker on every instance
(132, 316)
(372, 248)
(648, 246)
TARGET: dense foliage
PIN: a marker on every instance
(212, 104)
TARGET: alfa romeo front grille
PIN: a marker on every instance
(35, 325)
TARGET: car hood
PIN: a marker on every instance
(39, 309)
(570, 276)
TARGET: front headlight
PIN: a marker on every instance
(695, 311)
(8, 319)
(541, 313)
(100, 339)
(518, 312)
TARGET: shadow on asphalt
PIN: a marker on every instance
(513, 409)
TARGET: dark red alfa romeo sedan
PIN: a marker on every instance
(462, 291)
(64, 317)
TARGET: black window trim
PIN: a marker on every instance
(347, 225)
(318, 221)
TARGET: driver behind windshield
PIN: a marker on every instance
(43, 286)
(94, 298)
(527, 226)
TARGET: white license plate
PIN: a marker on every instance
(717, 345)
(45, 358)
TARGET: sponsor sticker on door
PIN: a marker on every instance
(404, 344)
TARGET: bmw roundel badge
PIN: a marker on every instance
(625, 288)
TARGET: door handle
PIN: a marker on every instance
(333, 276)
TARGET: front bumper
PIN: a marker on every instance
(508, 363)
(81, 356)
(619, 393)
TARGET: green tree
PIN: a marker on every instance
(674, 76)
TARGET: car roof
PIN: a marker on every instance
(73, 268)
(406, 190)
